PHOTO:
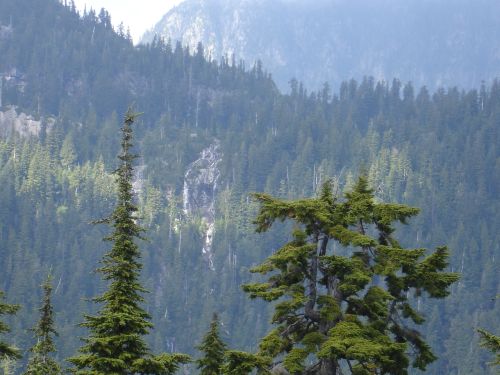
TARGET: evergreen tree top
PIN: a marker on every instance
(350, 306)
(213, 349)
(45, 326)
(115, 343)
(41, 362)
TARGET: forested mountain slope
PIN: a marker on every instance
(433, 42)
(211, 133)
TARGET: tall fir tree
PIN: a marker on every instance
(41, 362)
(7, 351)
(213, 349)
(116, 342)
(342, 286)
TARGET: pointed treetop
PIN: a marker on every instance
(131, 115)
(213, 349)
(41, 362)
(116, 342)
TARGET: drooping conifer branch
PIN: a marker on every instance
(7, 351)
(346, 308)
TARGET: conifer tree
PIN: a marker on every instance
(492, 343)
(7, 351)
(8, 366)
(242, 363)
(213, 349)
(342, 286)
(41, 363)
(116, 344)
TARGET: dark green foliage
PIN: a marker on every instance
(492, 343)
(41, 361)
(116, 344)
(242, 363)
(213, 349)
(433, 150)
(7, 351)
(346, 305)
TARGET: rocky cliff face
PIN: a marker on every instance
(22, 124)
(431, 42)
(200, 186)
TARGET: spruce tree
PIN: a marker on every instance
(7, 351)
(217, 360)
(243, 363)
(342, 286)
(213, 349)
(41, 362)
(492, 343)
(116, 342)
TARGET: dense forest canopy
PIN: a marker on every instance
(66, 80)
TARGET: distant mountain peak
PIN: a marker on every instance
(432, 43)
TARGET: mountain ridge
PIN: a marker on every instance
(429, 43)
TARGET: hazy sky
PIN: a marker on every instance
(139, 15)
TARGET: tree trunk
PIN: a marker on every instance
(309, 310)
(327, 367)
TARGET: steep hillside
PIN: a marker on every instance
(212, 133)
(433, 43)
